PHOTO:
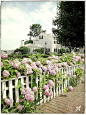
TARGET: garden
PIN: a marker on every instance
(28, 82)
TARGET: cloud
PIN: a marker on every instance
(16, 18)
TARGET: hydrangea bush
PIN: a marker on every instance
(36, 67)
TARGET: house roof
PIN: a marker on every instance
(34, 46)
(49, 36)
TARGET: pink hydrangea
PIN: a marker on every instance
(31, 93)
(18, 74)
(70, 88)
(26, 90)
(16, 61)
(82, 68)
(44, 68)
(46, 92)
(69, 74)
(20, 100)
(58, 82)
(45, 87)
(15, 65)
(59, 65)
(32, 98)
(24, 61)
(49, 68)
(8, 101)
(47, 62)
(40, 66)
(34, 89)
(4, 55)
(56, 69)
(74, 76)
(35, 67)
(38, 63)
(50, 94)
(52, 72)
(29, 72)
(5, 73)
(33, 64)
(28, 66)
(51, 83)
(20, 107)
(29, 97)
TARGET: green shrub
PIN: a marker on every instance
(39, 50)
(44, 55)
(62, 50)
(22, 50)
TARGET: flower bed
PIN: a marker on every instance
(46, 78)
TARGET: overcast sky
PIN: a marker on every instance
(16, 18)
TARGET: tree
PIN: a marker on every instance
(22, 50)
(35, 30)
(28, 41)
(70, 21)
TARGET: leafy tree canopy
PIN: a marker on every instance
(70, 21)
(35, 30)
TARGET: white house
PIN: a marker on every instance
(46, 41)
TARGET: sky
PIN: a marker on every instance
(16, 18)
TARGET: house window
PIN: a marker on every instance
(48, 49)
(41, 37)
(55, 42)
(54, 49)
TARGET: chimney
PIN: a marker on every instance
(22, 42)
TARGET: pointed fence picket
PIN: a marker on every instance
(10, 85)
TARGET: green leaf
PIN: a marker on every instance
(18, 86)
(2, 101)
(13, 110)
(6, 111)
(16, 71)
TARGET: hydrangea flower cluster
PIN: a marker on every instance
(16, 63)
(6, 73)
(74, 76)
(8, 101)
(47, 91)
(29, 95)
(4, 55)
(70, 88)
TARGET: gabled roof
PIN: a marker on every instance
(49, 36)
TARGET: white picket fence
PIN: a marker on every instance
(9, 86)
